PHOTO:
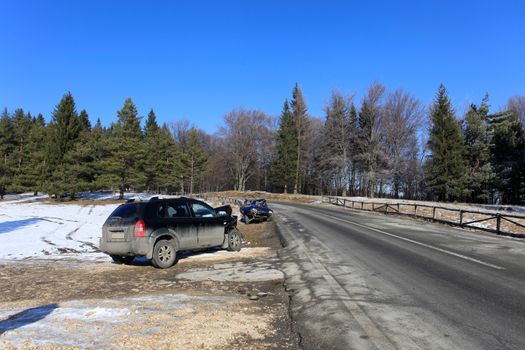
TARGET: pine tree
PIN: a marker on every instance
(508, 157)
(152, 137)
(478, 139)
(445, 168)
(83, 121)
(63, 133)
(125, 152)
(354, 141)
(370, 150)
(7, 146)
(194, 158)
(32, 174)
(168, 160)
(302, 126)
(337, 135)
(284, 164)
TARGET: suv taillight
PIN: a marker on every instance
(140, 229)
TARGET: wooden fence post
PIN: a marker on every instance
(498, 223)
(460, 217)
(433, 213)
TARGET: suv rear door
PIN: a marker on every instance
(211, 226)
(119, 225)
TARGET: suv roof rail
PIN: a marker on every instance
(156, 198)
(130, 200)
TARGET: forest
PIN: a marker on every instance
(388, 144)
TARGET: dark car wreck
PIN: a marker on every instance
(255, 211)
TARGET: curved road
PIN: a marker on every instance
(368, 281)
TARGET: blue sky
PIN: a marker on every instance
(198, 60)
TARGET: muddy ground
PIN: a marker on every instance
(209, 300)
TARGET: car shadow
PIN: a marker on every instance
(181, 255)
(8, 226)
(26, 317)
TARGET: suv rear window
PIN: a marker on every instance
(124, 211)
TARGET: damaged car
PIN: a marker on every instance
(256, 210)
(160, 228)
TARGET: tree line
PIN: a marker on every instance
(386, 145)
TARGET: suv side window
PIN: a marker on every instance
(177, 210)
(155, 210)
(202, 211)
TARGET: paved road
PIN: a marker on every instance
(368, 281)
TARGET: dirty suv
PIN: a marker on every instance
(159, 228)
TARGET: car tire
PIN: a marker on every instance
(122, 259)
(164, 254)
(234, 240)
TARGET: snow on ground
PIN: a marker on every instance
(94, 322)
(29, 230)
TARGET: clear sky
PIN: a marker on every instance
(198, 60)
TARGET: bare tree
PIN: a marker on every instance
(245, 136)
(516, 105)
(402, 118)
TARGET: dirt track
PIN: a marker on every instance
(204, 302)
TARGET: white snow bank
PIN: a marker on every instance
(51, 230)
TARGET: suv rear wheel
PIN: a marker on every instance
(164, 254)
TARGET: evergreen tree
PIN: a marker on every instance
(302, 127)
(22, 124)
(194, 158)
(477, 140)
(445, 167)
(370, 149)
(168, 161)
(83, 120)
(284, 164)
(63, 133)
(32, 174)
(125, 152)
(508, 157)
(152, 137)
(337, 136)
(7, 146)
(354, 141)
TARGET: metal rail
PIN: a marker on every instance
(396, 209)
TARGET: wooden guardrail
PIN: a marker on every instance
(500, 223)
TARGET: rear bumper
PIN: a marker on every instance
(136, 247)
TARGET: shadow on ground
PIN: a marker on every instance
(26, 317)
(8, 226)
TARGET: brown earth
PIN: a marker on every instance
(223, 315)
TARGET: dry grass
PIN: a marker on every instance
(303, 198)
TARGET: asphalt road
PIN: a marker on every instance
(368, 281)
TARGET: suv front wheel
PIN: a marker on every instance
(164, 254)
(234, 240)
